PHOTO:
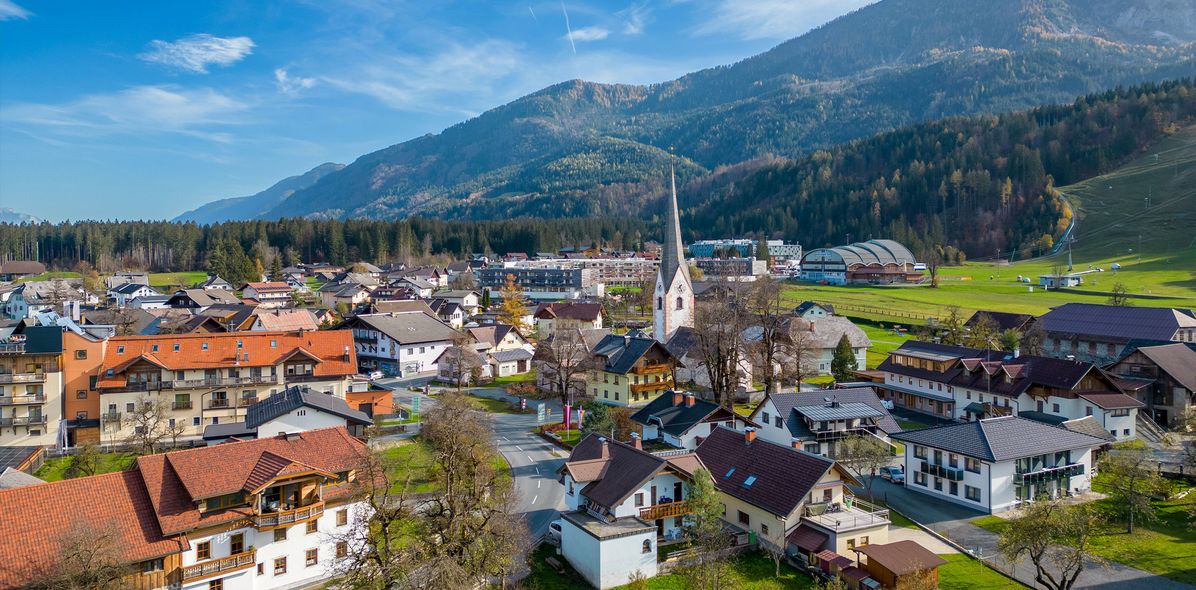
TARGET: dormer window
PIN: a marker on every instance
(204, 346)
(120, 350)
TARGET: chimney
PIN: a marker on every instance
(795, 443)
(749, 435)
(677, 396)
(1017, 351)
(689, 400)
(635, 441)
(605, 448)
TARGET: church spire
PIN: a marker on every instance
(673, 304)
(672, 257)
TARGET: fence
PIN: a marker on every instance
(879, 311)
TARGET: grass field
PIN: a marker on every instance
(964, 573)
(492, 405)
(45, 276)
(751, 571)
(57, 468)
(413, 457)
(182, 280)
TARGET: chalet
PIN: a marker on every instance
(214, 282)
(620, 500)
(1099, 333)
(298, 408)
(448, 312)
(258, 514)
(681, 420)
(1163, 378)
(268, 294)
(994, 464)
(817, 339)
(818, 420)
(780, 493)
(567, 315)
(629, 370)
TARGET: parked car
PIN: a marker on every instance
(375, 375)
(554, 531)
(893, 474)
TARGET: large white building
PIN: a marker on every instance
(673, 303)
(994, 464)
(400, 344)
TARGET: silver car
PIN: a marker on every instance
(893, 474)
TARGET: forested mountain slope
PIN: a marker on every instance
(254, 205)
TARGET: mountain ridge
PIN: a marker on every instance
(254, 205)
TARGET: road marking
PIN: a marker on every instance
(506, 439)
(529, 458)
(538, 482)
(518, 448)
(534, 499)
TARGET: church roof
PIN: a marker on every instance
(672, 259)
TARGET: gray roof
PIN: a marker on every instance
(843, 411)
(672, 253)
(1176, 360)
(228, 430)
(1000, 439)
(11, 478)
(1088, 425)
(1117, 322)
(130, 288)
(515, 354)
(676, 420)
(410, 328)
(298, 396)
(622, 351)
(785, 402)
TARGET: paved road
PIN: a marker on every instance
(533, 460)
(953, 521)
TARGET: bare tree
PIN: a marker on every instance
(800, 359)
(462, 361)
(464, 281)
(376, 551)
(718, 331)
(124, 318)
(561, 364)
(149, 422)
(768, 323)
(1131, 482)
(87, 557)
(952, 327)
(1055, 538)
(863, 455)
(1034, 340)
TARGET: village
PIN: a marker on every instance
(654, 414)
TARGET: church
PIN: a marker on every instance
(673, 305)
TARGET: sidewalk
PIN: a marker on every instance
(954, 522)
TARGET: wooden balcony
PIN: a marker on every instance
(650, 369)
(271, 520)
(668, 510)
(213, 567)
(654, 386)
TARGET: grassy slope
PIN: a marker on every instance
(179, 279)
(1110, 221)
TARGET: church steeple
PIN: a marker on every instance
(672, 306)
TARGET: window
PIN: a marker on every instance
(953, 460)
(80, 354)
(777, 421)
(81, 394)
(954, 488)
(971, 493)
(153, 565)
(280, 534)
(639, 499)
(763, 529)
(342, 549)
(120, 350)
(766, 419)
(1055, 408)
(938, 484)
(195, 420)
(342, 517)
(1087, 410)
(920, 478)
(236, 544)
(311, 557)
(1125, 432)
(851, 543)
(153, 348)
(864, 540)
(680, 303)
(129, 407)
(312, 526)
(827, 495)
(203, 550)
(175, 347)
(81, 415)
(744, 518)
(204, 345)
(971, 464)
(216, 585)
(280, 566)
(919, 451)
(261, 569)
(647, 548)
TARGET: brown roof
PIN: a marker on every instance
(613, 479)
(329, 347)
(1110, 400)
(807, 538)
(36, 519)
(570, 311)
(1176, 360)
(782, 476)
(401, 306)
(901, 557)
(270, 287)
(22, 267)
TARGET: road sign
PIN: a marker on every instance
(541, 415)
(415, 404)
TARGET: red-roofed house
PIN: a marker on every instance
(250, 514)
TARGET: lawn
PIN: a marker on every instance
(56, 469)
(910, 424)
(414, 457)
(1166, 547)
(45, 276)
(884, 340)
(183, 280)
(752, 571)
(513, 379)
(964, 573)
(492, 405)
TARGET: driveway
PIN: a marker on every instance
(953, 521)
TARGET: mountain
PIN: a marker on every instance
(16, 217)
(254, 205)
(580, 148)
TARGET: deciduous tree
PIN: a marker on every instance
(514, 305)
(863, 455)
(1055, 538)
(1128, 478)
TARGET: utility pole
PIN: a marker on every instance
(1139, 249)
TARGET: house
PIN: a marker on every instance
(620, 500)
(505, 350)
(11, 478)
(82, 357)
(1098, 333)
(809, 310)
(818, 420)
(257, 514)
(214, 282)
(120, 278)
(1003, 321)
(17, 269)
(431, 275)
(448, 312)
(30, 385)
(507, 363)
(31, 298)
(994, 464)
(372, 401)
(561, 361)
(202, 298)
(470, 301)
(126, 322)
(901, 564)
(422, 288)
(204, 379)
(400, 344)
(1163, 378)
(629, 370)
(126, 293)
(681, 420)
(464, 364)
(284, 320)
(148, 302)
(568, 315)
(965, 384)
(268, 294)
(230, 317)
(401, 306)
(297, 408)
(780, 493)
(349, 294)
(691, 361)
(817, 338)
(498, 337)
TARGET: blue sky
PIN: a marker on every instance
(141, 110)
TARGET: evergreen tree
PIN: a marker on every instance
(843, 364)
(276, 269)
(762, 250)
(485, 303)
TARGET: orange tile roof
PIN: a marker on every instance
(36, 519)
(329, 346)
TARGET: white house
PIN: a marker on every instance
(470, 301)
(295, 409)
(268, 294)
(619, 499)
(994, 464)
(808, 418)
(679, 419)
(126, 293)
(400, 344)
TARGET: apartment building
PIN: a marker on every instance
(30, 386)
(400, 344)
(268, 294)
(820, 420)
(545, 283)
(205, 379)
(258, 514)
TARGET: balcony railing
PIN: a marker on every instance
(304, 377)
(12, 348)
(245, 402)
(948, 473)
(1049, 474)
(23, 421)
(22, 377)
(17, 400)
(180, 405)
(213, 567)
(223, 381)
(217, 404)
(654, 386)
(830, 434)
(110, 417)
(666, 510)
(650, 369)
(276, 519)
(851, 514)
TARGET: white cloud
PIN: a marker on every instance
(10, 11)
(773, 19)
(589, 34)
(291, 86)
(137, 110)
(197, 52)
(635, 18)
